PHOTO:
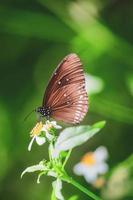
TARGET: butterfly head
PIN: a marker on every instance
(44, 111)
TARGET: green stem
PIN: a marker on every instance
(53, 196)
(67, 157)
(81, 188)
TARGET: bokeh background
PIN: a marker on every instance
(34, 36)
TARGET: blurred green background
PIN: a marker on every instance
(34, 36)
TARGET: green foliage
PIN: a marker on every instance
(122, 176)
(55, 165)
(33, 24)
(34, 36)
(75, 197)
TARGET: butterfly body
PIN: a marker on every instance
(65, 98)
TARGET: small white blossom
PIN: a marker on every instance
(36, 135)
(92, 165)
(48, 126)
(42, 131)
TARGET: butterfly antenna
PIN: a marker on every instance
(28, 115)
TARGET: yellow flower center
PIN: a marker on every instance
(88, 159)
(37, 129)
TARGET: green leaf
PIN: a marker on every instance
(75, 136)
(99, 125)
(33, 168)
(57, 187)
(74, 197)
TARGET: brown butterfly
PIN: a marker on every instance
(65, 97)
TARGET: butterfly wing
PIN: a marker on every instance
(65, 94)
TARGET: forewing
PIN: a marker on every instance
(65, 93)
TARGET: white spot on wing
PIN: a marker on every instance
(81, 97)
(80, 102)
(77, 114)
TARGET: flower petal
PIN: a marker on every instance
(54, 124)
(57, 186)
(90, 176)
(30, 144)
(40, 140)
(101, 154)
(58, 127)
(89, 172)
(102, 168)
(44, 128)
(49, 136)
(79, 169)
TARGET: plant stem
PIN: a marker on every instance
(81, 188)
(67, 157)
(53, 196)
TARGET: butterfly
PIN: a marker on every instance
(65, 98)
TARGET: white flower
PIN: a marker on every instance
(92, 165)
(57, 186)
(38, 135)
(48, 126)
(35, 134)
(93, 84)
